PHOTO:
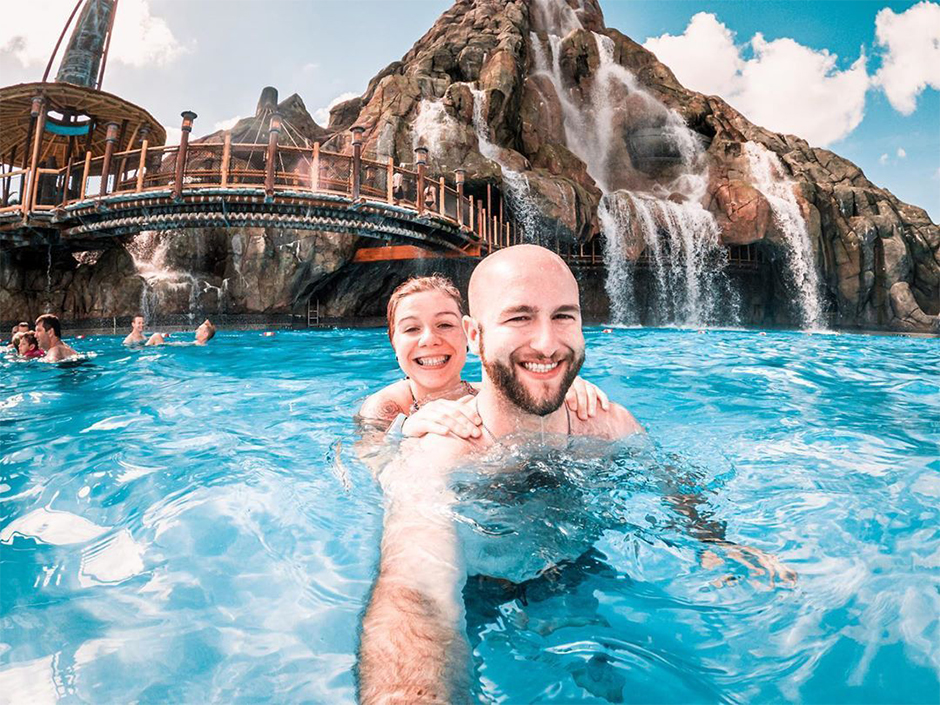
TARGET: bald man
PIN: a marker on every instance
(525, 324)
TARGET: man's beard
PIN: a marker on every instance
(506, 381)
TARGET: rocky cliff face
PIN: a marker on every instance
(590, 137)
(537, 68)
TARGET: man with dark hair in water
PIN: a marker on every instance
(49, 335)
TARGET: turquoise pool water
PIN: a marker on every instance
(192, 525)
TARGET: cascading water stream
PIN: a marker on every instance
(664, 216)
(768, 176)
(148, 250)
(517, 187)
(432, 127)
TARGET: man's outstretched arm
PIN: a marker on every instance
(413, 646)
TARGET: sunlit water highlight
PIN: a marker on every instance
(192, 525)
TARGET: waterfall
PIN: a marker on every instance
(614, 216)
(663, 213)
(517, 192)
(161, 282)
(432, 127)
(769, 178)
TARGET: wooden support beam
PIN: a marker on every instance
(142, 164)
(226, 157)
(187, 127)
(315, 168)
(85, 171)
(390, 181)
(39, 114)
(440, 203)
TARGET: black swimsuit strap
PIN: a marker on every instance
(476, 405)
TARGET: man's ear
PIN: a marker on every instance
(472, 330)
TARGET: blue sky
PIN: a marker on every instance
(811, 67)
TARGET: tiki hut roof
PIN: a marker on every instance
(88, 108)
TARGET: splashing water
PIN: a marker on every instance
(681, 238)
(769, 178)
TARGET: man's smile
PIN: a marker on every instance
(542, 370)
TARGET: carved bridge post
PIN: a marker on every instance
(357, 131)
(187, 127)
(270, 159)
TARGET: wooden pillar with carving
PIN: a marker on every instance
(421, 161)
(459, 176)
(142, 163)
(38, 114)
(357, 131)
(110, 139)
(270, 157)
(187, 127)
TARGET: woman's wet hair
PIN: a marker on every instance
(417, 285)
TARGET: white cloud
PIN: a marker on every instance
(912, 59)
(226, 124)
(30, 29)
(883, 159)
(786, 87)
(901, 153)
(322, 115)
(173, 134)
(308, 68)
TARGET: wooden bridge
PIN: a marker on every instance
(226, 184)
(258, 185)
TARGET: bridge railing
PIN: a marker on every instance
(185, 168)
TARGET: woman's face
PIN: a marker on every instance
(429, 340)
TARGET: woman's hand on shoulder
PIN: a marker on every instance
(583, 397)
(444, 416)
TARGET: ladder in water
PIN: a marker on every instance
(313, 314)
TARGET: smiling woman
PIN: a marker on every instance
(425, 329)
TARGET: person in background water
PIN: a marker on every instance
(21, 327)
(204, 334)
(49, 335)
(29, 345)
(136, 336)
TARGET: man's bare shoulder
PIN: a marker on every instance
(60, 352)
(615, 423)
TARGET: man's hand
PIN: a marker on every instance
(756, 561)
(582, 398)
(444, 416)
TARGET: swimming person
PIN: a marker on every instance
(29, 345)
(136, 336)
(49, 335)
(21, 327)
(426, 331)
(204, 333)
